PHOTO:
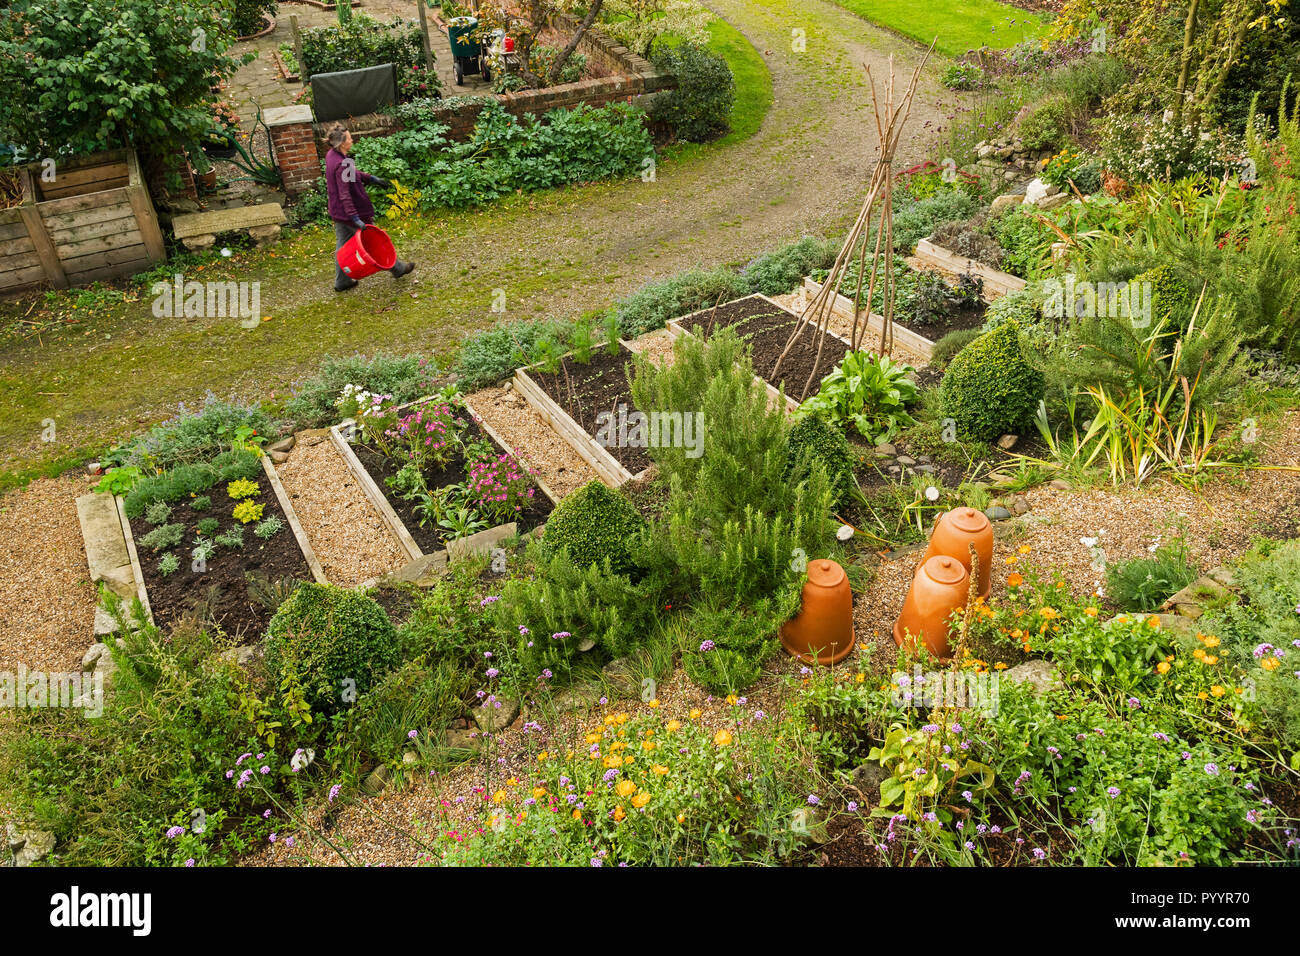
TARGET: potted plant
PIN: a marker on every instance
(204, 173)
(219, 142)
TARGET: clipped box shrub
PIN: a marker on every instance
(592, 524)
(1046, 126)
(812, 439)
(990, 388)
(330, 640)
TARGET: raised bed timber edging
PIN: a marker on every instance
(610, 470)
(842, 306)
(678, 328)
(136, 570)
(376, 495)
(996, 283)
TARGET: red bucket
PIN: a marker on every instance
(367, 252)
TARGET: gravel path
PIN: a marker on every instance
(47, 603)
(350, 538)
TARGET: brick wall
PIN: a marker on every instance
(293, 143)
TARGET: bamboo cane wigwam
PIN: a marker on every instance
(890, 121)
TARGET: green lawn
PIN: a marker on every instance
(753, 81)
(960, 25)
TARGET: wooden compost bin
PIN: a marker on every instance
(94, 220)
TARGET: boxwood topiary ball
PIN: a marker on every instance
(334, 640)
(593, 523)
(813, 439)
(990, 388)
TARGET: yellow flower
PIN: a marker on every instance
(1153, 620)
(641, 799)
(1217, 690)
(619, 813)
(1212, 641)
(673, 725)
(659, 769)
(1012, 559)
(681, 818)
(539, 792)
(512, 782)
(1269, 663)
(625, 788)
(1025, 549)
(1162, 667)
(1047, 612)
(999, 666)
(648, 745)
(731, 699)
(594, 738)
(577, 814)
(1090, 611)
(1211, 659)
(653, 703)
(541, 757)
(1199, 653)
(695, 713)
(722, 738)
(498, 796)
(1202, 696)
(859, 678)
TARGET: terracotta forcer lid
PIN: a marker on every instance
(968, 520)
(943, 570)
(825, 574)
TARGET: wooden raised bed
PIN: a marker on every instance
(842, 306)
(610, 469)
(679, 327)
(290, 519)
(401, 534)
(93, 221)
(996, 283)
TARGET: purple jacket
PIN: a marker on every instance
(347, 195)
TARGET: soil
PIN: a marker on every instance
(766, 327)
(967, 316)
(585, 391)
(431, 538)
(222, 587)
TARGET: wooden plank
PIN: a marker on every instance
(95, 230)
(147, 220)
(87, 217)
(20, 260)
(82, 181)
(88, 247)
(58, 207)
(135, 557)
(12, 225)
(54, 272)
(842, 306)
(609, 469)
(286, 506)
(111, 271)
(996, 283)
(376, 496)
(22, 279)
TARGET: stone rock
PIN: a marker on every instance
(1178, 626)
(30, 846)
(105, 624)
(1038, 673)
(894, 469)
(1004, 152)
(999, 479)
(199, 243)
(997, 513)
(121, 581)
(867, 778)
(241, 656)
(480, 543)
(264, 235)
(576, 697)
(1019, 505)
(1204, 590)
(1004, 202)
(410, 758)
(906, 460)
(377, 780)
(278, 457)
(1009, 175)
(425, 571)
(886, 448)
(462, 740)
(1008, 442)
(984, 151)
(621, 678)
(1060, 484)
(1189, 611)
(585, 645)
(492, 718)
(1223, 575)
(98, 660)
(1053, 202)
(1037, 190)
(924, 469)
(284, 444)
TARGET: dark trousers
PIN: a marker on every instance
(343, 231)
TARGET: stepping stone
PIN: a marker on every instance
(425, 571)
(106, 550)
(482, 542)
(1060, 484)
(997, 513)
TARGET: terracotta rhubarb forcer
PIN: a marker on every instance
(940, 586)
(822, 631)
(954, 532)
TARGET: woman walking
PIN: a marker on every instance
(349, 206)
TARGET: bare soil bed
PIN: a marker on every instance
(222, 587)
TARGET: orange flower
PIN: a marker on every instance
(1217, 690)
(695, 713)
(722, 738)
(1012, 559)
(1212, 641)
(1269, 663)
(1047, 612)
(619, 813)
(625, 788)
(539, 792)
(673, 725)
(1025, 549)
(1162, 667)
(1090, 611)
(1014, 580)
(648, 745)
(681, 818)
(1153, 620)
(659, 769)
(498, 796)
(653, 703)
(1199, 653)
(641, 799)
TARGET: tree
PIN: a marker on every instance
(132, 73)
(526, 26)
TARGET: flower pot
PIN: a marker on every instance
(208, 180)
(940, 586)
(954, 532)
(822, 631)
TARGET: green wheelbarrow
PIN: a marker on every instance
(466, 52)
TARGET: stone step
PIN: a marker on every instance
(106, 552)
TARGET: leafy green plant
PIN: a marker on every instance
(1045, 126)
(990, 388)
(158, 512)
(268, 527)
(201, 503)
(699, 109)
(335, 642)
(962, 76)
(812, 439)
(208, 526)
(1143, 584)
(118, 481)
(867, 391)
(593, 524)
(232, 537)
(923, 772)
(947, 347)
(247, 511)
(191, 437)
(241, 488)
(168, 564)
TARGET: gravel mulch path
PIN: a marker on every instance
(47, 600)
(557, 464)
(350, 538)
